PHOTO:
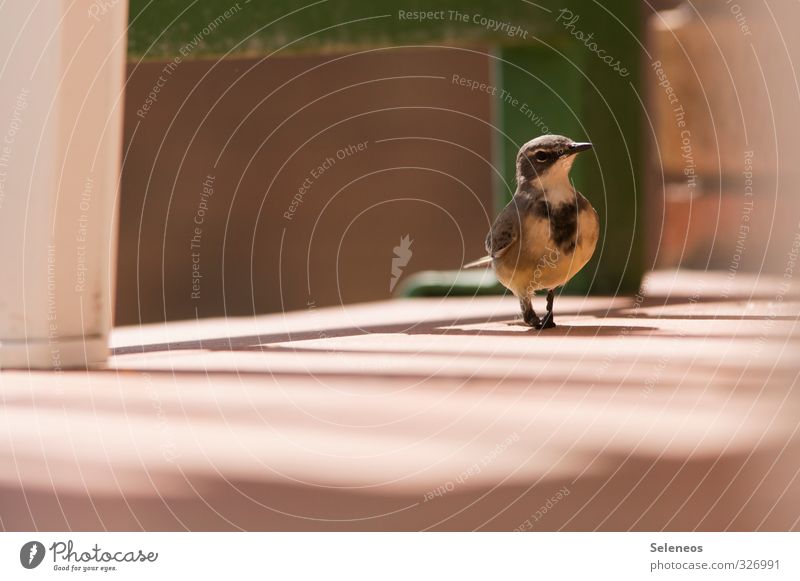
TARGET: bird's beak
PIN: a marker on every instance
(577, 148)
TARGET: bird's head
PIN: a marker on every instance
(548, 158)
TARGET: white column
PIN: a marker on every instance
(62, 68)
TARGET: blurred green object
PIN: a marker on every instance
(160, 29)
(569, 90)
(454, 283)
(567, 67)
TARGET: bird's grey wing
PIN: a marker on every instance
(504, 232)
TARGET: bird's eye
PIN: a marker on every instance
(541, 156)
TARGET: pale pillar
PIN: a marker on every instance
(62, 67)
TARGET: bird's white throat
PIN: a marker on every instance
(555, 182)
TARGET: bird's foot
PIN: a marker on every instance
(528, 314)
(531, 319)
(546, 322)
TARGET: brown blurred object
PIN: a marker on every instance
(268, 120)
(731, 75)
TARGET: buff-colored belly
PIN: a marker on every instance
(535, 262)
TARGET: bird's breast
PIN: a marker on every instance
(555, 243)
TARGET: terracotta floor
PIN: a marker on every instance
(679, 413)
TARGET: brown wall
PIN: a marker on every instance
(268, 139)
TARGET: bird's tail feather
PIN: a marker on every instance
(481, 262)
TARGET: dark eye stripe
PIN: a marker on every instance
(540, 155)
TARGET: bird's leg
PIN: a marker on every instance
(547, 321)
(528, 315)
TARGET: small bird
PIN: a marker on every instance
(547, 232)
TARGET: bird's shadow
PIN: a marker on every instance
(476, 326)
(560, 330)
